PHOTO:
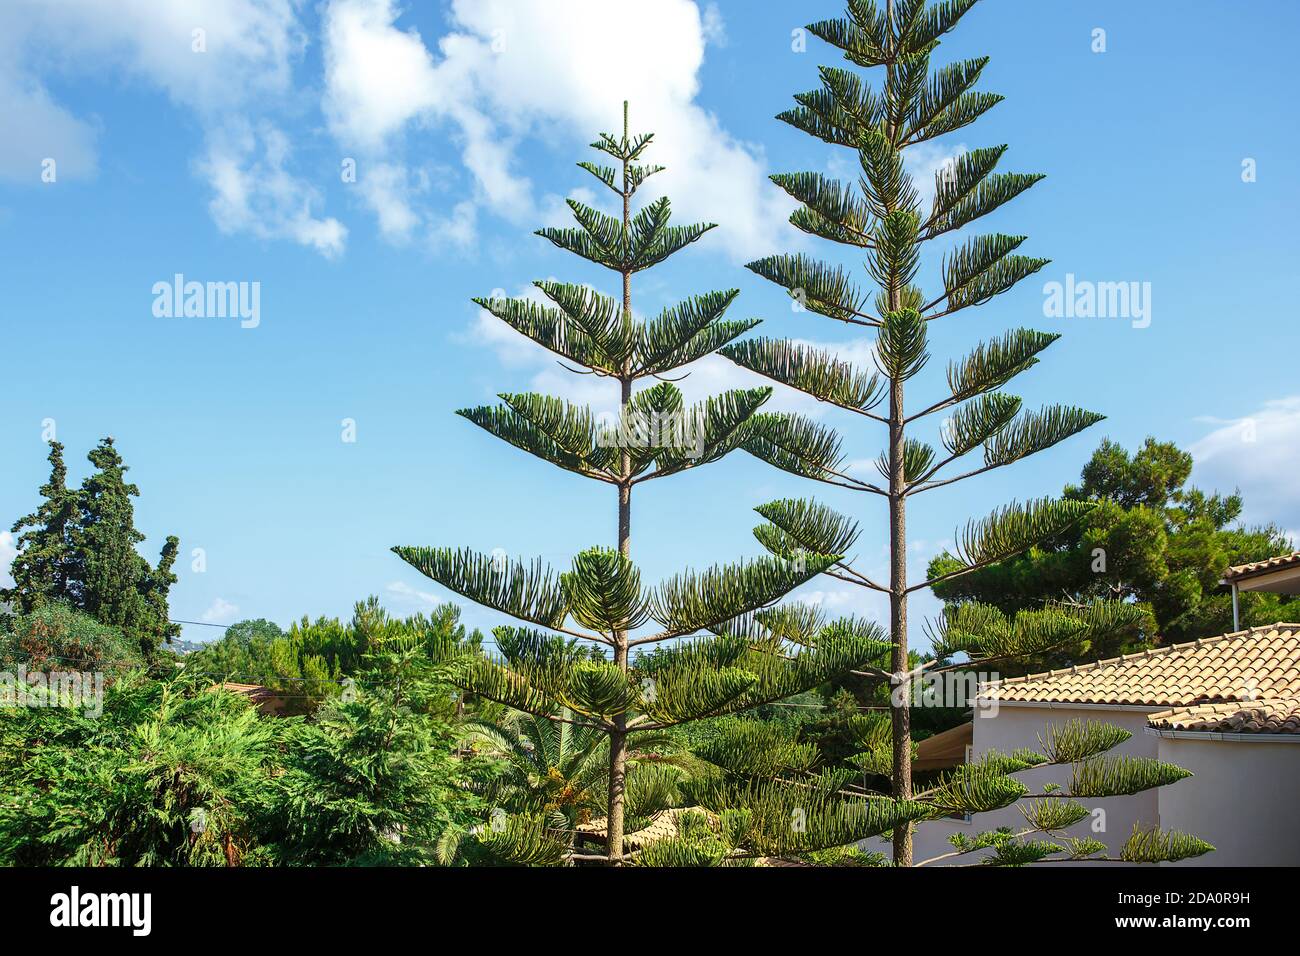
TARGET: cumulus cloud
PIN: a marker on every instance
(8, 551)
(254, 193)
(1258, 454)
(204, 54)
(216, 59)
(34, 129)
(220, 611)
(515, 70)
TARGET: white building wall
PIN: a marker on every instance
(1017, 726)
(1243, 799)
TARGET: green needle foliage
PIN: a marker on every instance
(176, 772)
(79, 548)
(765, 771)
(884, 223)
(991, 783)
(166, 776)
(371, 780)
(1152, 540)
(1159, 846)
(702, 648)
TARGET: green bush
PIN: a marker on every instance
(57, 637)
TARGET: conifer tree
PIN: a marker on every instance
(119, 587)
(884, 221)
(79, 548)
(713, 655)
(44, 568)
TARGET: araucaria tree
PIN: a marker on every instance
(884, 221)
(711, 657)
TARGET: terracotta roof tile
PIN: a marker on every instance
(1261, 663)
(662, 825)
(1276, 716)
(1238, 571)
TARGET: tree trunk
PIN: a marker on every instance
(900, 712)
(618, 737)
(617, 774)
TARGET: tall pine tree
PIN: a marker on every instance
(713, 654)
(885, 222)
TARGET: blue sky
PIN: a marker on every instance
(464, 121)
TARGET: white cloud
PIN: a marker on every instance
(1259, 454)
(457, 230)
(379, 77)
(8, 551)
(217, 59)
(512, 348)
(255, 194)
(409, 595)
(388, 190)
(249, 44)
(33, 129)
(713, 25)
(220, 611)
(512, 70)
(924, 160)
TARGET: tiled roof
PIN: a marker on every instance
(662, 825)
(267, 701)
(1277, 716)
(254, 692)
(1261, 663)
(1236, 572)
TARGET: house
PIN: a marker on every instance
(1226, 708)
(948, 748)
(1280, 575)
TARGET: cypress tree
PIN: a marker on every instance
(883, 221)
(119, 587)
(713, 653)
(79, 548)
(45, 567)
